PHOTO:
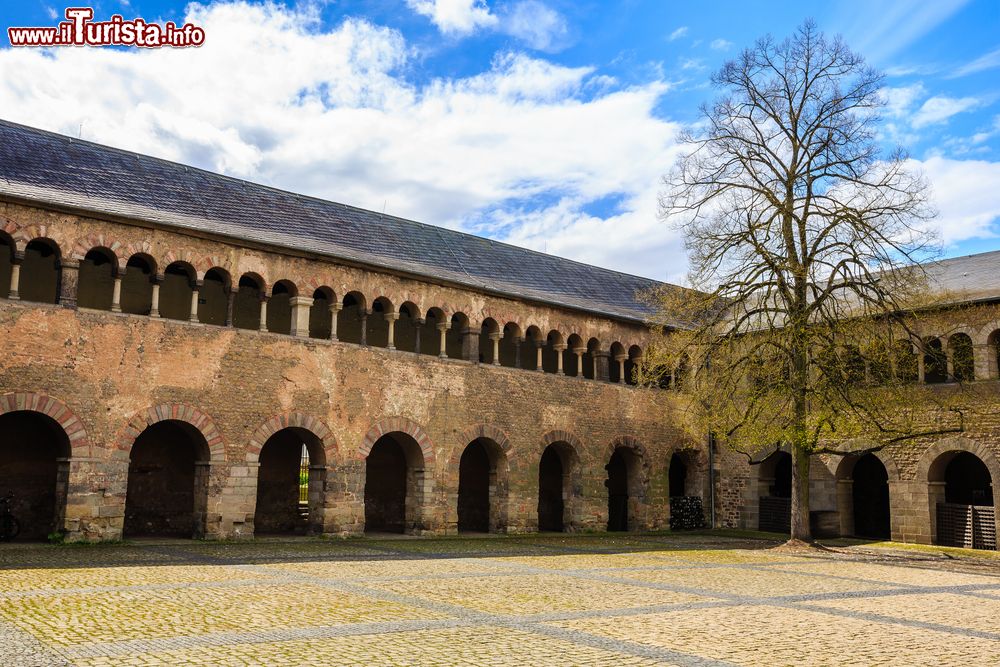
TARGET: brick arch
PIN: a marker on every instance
(24, 235)
(201, 264)
(137, 248)
(568, 437)
(306, 422)
(313, 283)
(628, 442)
(957, 444)
(487, 431)
(393, 425)
(97, 240)
(178, 412)
(79, 441)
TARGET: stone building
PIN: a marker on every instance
(187, 354)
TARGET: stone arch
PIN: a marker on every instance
(844, 466)
(175, 412)
(480, 489)
(98, 240)
(931, 471)
(403, 425)
(306, 422)
(55, 409)
(489, 432)
(24, 235)
(865, 504)
(627, 482)
(562, 496)
(960, 444)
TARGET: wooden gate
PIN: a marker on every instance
(775, 514)
(969, 526)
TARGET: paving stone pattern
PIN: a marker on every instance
(540, 600)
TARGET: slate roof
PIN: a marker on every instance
(48, 168)
(969, 278)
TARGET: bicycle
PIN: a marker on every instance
(9, 526)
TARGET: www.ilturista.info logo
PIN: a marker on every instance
(80, 30)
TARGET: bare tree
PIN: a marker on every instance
(805, 244)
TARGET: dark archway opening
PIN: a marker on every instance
(870, 496)
(474, 489)
(677, 476)
(775, 504)
(97, 280)
(39, 280)
(961, 495)
(213, 297)
(246, 307)
(31, 446)
(552, 480)
(393, 484)
(617, 484)
(279, 308)
(175, 292)
(935, 362)
(967, 481)
(167, 482)
(290, 468)
(137, 285)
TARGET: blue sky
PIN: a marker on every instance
(542, 122)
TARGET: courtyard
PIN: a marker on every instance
(692, 599)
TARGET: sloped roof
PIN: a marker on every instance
(969, 278)
(48, 168)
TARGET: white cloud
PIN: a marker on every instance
(521, 150)
(986, 61)
(677, 34)
(455, 17)
(900, 101)
(53, 14)
(939, 109)
(720, 44)
(966, 209)
(536, 24)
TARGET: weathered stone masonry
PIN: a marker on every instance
(107, 377)
(185, 354)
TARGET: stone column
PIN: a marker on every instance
(390, 322)
(579, 361)
(263, 312)
(418, 325)
(154, 306)
(69, 279)
(984, 359)
(15, 276)
(602, 365)
(195, 290)
(620, 358)
(560, 348)
(116, 293)
(300, 315)
(539, 346)
(231, 305)
(442, 328)
(470, 344)
(920, 366)
(334, 310)
(495, 340)
(518, 342)
(363, 317)
(949, 359)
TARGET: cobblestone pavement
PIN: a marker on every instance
(539, 600)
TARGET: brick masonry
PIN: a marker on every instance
(105, 377)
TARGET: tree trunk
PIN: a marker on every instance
(800, 495)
